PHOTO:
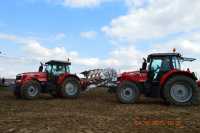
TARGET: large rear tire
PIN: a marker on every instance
(71, 88)
(30, 90)
(181, 91)
(128, 92)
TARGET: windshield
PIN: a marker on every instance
(156, 64)
(57, 69)
(48, 68)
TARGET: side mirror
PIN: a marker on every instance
(144, 64)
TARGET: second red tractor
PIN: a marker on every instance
(160, 76)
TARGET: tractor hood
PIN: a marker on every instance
(136, 76)
(132, 73)
(33, 74)
(40, 76)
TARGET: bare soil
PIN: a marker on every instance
(94, 112)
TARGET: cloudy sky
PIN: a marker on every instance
(95, 33)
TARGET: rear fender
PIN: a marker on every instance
(173, 73)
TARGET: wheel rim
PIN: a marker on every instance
(71, 89)
(181, 92)
(32, 91)
(127, 94)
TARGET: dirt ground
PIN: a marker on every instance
(94, 112)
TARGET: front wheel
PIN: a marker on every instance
(128, 92)
(30, 90)
(71, 88)
(181, 90)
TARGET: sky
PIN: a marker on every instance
(95, 33)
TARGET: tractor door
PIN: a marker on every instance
(48, 70)
(54, 71)
(154, 69)
(158, 67)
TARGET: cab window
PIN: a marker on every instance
(67, 69)
(155, 64)
(48, 68)
(158, 67)
(165, 66)
(176, 63)
(58, 69)
(154, 68)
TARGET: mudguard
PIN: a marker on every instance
(174, 72)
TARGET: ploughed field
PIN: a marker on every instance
(94, 112)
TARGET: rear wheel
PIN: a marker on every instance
(71, 88)
(30, 90)
(128, 92)
(181, 90)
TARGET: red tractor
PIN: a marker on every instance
(55, 79)
(162, 78)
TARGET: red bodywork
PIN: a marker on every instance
(176, 72)
(141, 77)
(42, 77)
(134, 76)
(25, 77)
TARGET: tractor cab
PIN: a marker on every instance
(161, 76)
(55, 68)
(54, 77)
(160, 63)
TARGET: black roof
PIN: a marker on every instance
(169, 54)
(154, 55)
(164, 54)
(58, 62)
